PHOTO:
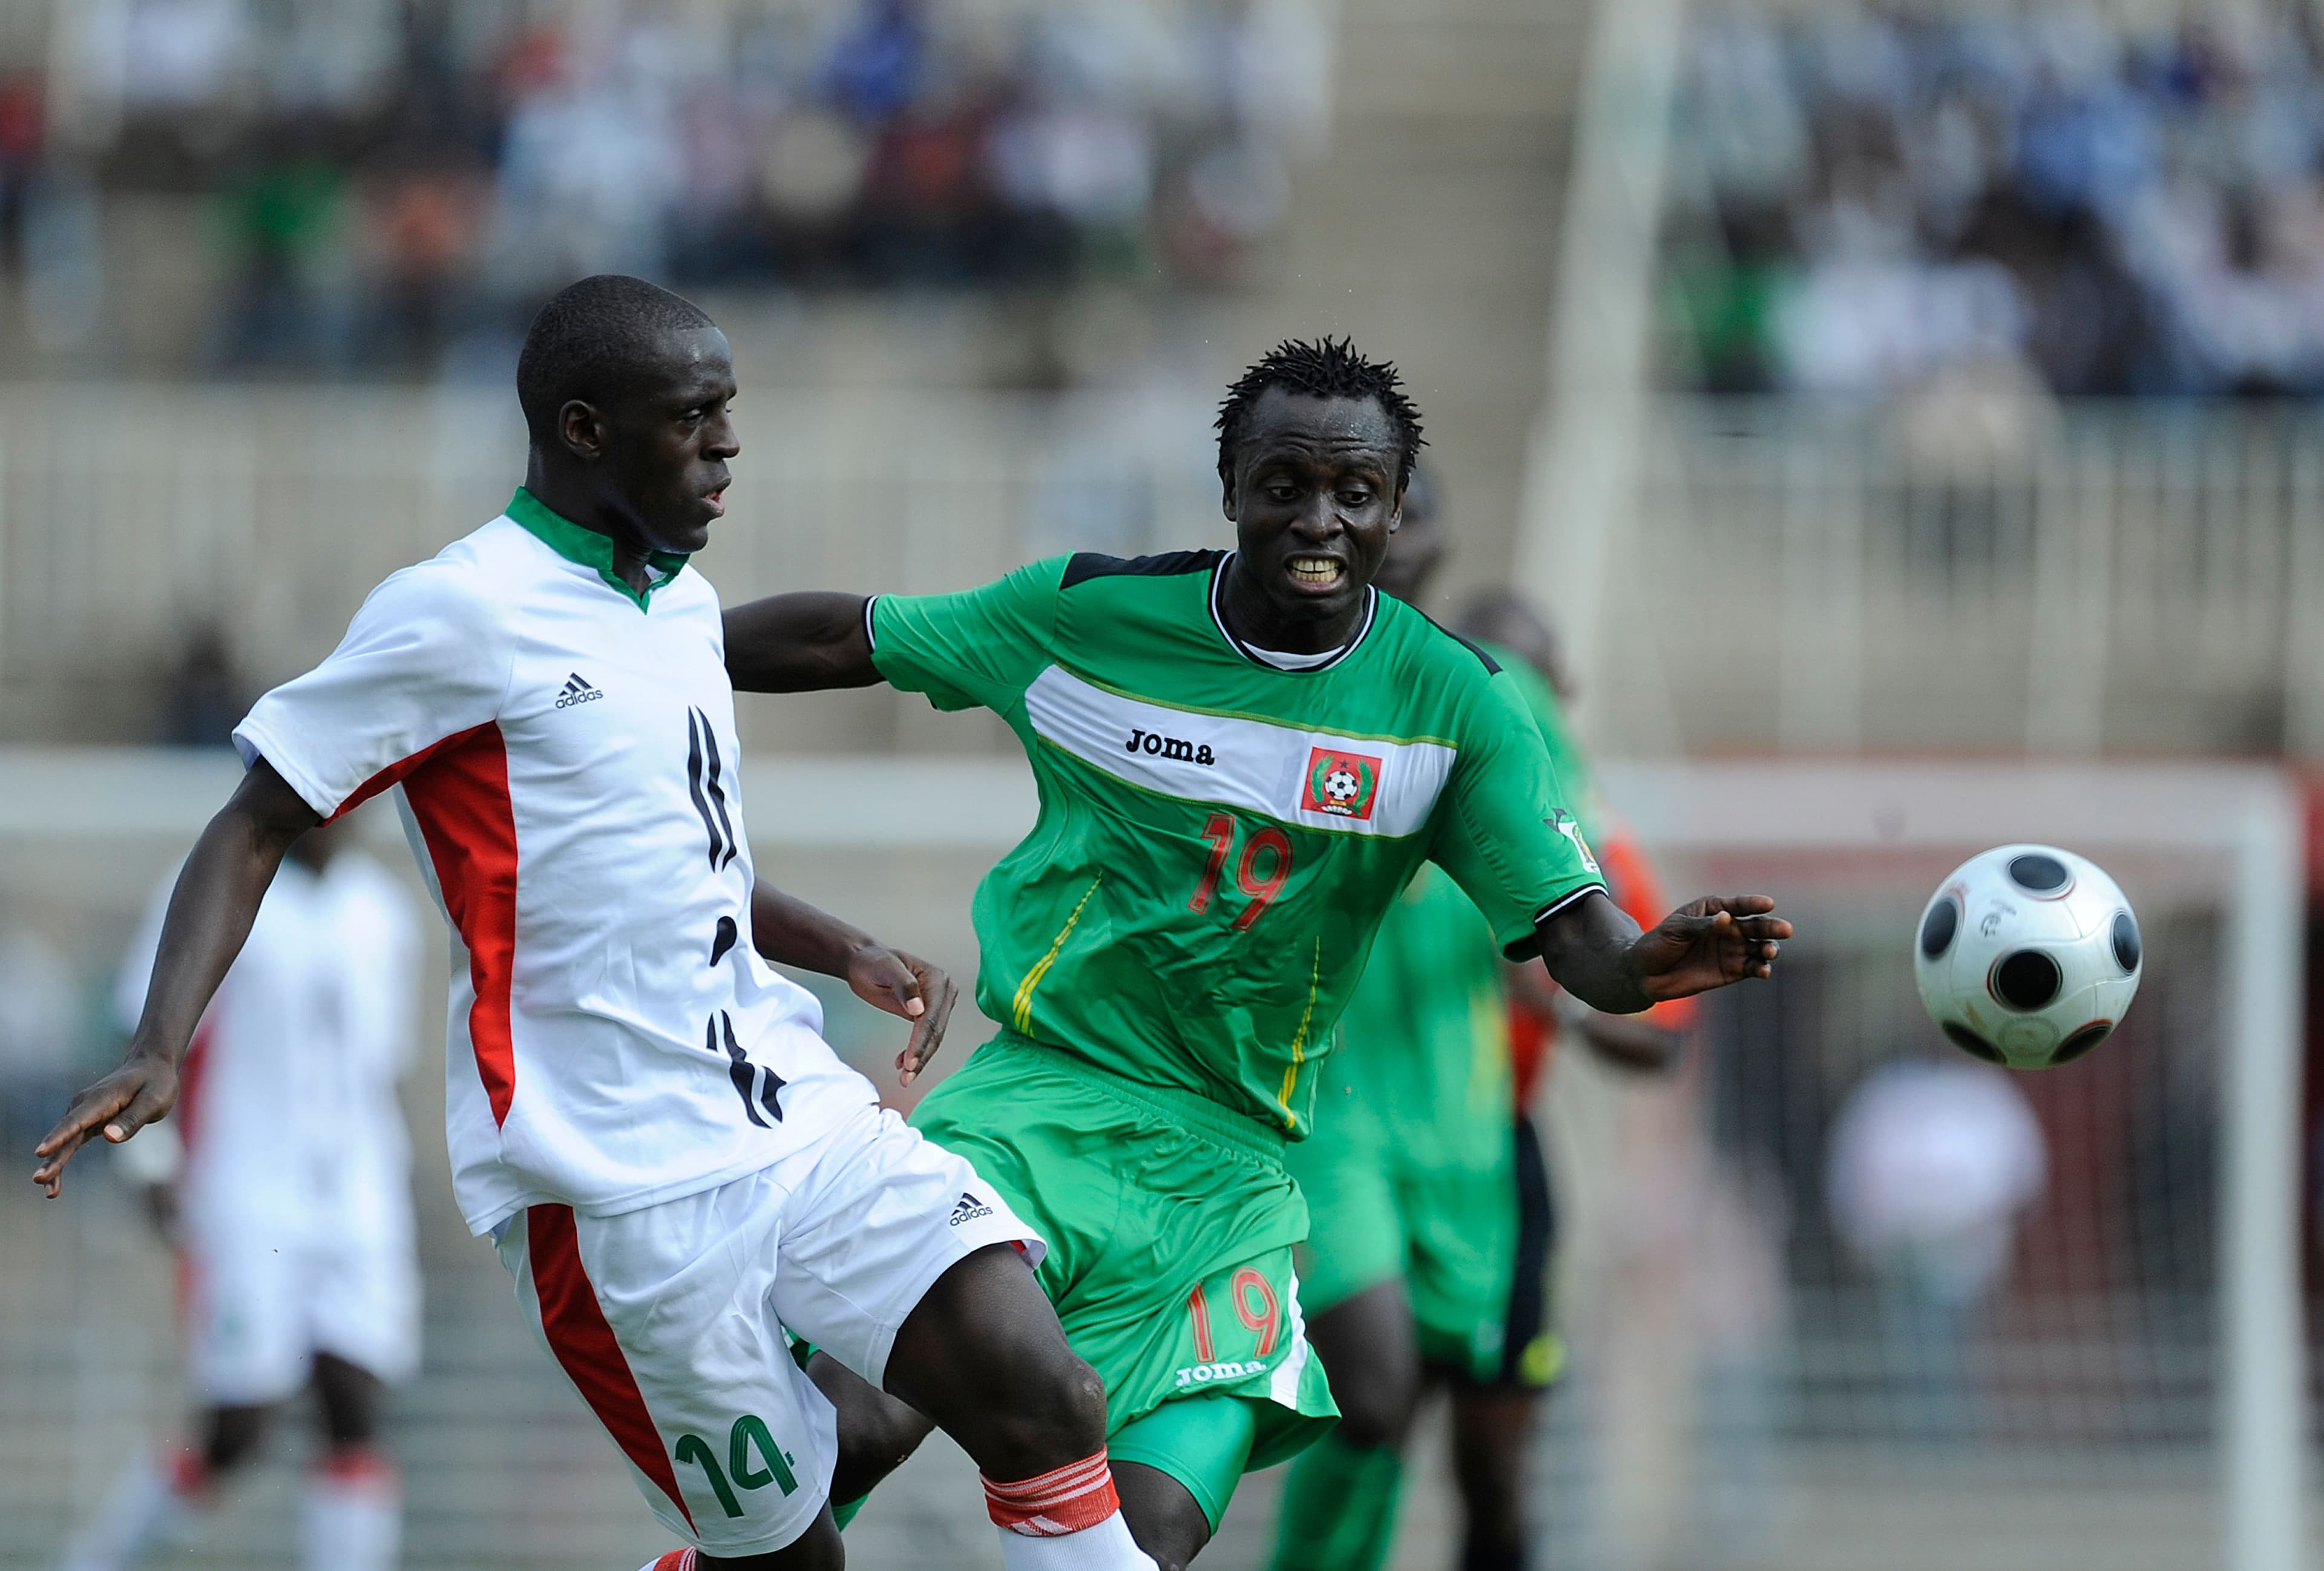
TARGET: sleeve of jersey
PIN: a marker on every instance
(1505, 837)
(424, 663)
(977, 648)
(1577, 792)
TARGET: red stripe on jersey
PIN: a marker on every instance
(460, 798)
(399, 770)
(584, 1346)
(193, 1074)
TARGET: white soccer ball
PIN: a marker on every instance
(2027, 956)
(1341, 785)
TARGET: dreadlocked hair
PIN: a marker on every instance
(1328, 368)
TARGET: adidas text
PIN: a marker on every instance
(968, 1210)
(577, 691)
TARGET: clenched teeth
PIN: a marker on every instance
(1316, 569)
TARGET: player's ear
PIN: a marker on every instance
(582, 428)
(1227, 492)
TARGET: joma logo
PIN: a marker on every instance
(1155, 744)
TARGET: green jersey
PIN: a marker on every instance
(1222, 829)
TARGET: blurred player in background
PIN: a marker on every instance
(1432, 1222)
(285, 1183)
(1243, 756)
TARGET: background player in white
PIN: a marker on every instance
(288, 1193)
(677, 1169)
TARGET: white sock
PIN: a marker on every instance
(353, 1519)
(1104, 1547)
(151, 1505)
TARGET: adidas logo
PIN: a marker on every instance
(577, 691)
(968, 1210)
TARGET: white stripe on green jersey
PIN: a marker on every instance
(1237, 763)
(1218, 839)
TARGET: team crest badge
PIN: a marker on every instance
(1342, 784)
(1565, 824)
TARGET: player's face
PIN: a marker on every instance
(1313, 494)
(667, 445)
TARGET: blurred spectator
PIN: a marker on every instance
(22, 122)
(203, 699)
(1931, 1164)
(389, 174)
(1871, 198)
(282, 216)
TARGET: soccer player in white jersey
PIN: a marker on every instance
(641, 1111)
(287, 1192)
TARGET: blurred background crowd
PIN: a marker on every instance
(1872, 197)
(378, 180)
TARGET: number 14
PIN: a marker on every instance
(1221, 833)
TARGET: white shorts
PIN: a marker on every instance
(261, 1300)
(670, 1320)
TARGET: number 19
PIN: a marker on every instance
(1219, 831)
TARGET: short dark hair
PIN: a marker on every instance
(591, 340)
(1327, 368)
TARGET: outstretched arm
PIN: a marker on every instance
(1597, 954)
(786, 929)
(802, 643)
(1637, 1042)
(217, 899)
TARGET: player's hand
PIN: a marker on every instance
(1707, 943)
(143, 1089)
(907, 985)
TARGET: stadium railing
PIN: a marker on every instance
(2106, 577)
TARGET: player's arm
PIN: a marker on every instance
(802, 642)
(786, 929)
(1639, 1043)
(971, 648)
(217, 899)
(1629, 1041)
(1508, 840)
(1599, 955)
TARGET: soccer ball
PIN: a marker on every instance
(2027, 956)
(1341, 785)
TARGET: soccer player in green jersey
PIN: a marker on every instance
(1242, 756)
(1430, 1219)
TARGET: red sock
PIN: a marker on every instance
(188, 1471)
(676, 1560)
(1063, 1500)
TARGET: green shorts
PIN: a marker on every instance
(1450, 1231)
(1170, 1221)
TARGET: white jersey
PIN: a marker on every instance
(566, 754)
(287, 1108)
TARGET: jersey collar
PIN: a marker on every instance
(586, 547)
(1272, 661)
